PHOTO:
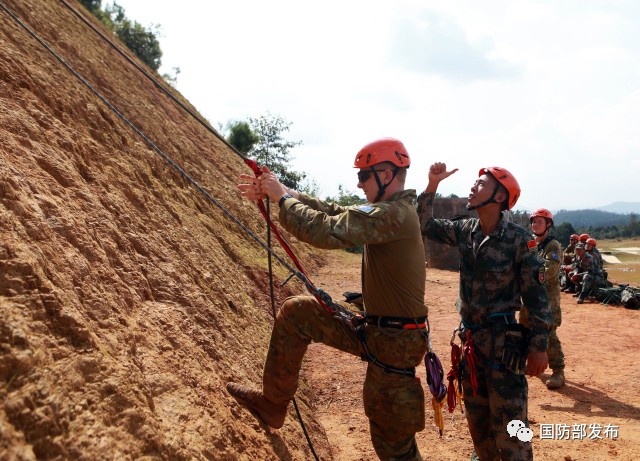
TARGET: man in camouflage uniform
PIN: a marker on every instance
(587, 275)
(393, 279)
(550, 250)
(497, 273)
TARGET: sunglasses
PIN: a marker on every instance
(364, 175)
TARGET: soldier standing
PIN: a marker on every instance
(550, 250)
(497, 273)
(393, 335)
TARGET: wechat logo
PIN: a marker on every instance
(516, 428)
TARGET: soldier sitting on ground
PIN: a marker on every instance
(587, 275)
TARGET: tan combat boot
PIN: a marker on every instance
(556, 380)
(272, 414)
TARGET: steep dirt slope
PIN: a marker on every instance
(126, 299)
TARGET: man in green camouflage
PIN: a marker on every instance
(497, 273)
(587, 276)
(550, 250)
(392, 336)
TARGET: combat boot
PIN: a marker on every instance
(270, 413)
(556, 380)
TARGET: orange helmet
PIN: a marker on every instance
(592, 241)
(382, 150)
(507, 180)
(574, 237)
(543, 212)
(584, 237)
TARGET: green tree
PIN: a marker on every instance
(562, 233)
(273, 150)
(91, 5)
(142, 41)
(241, 136)
(346, 197)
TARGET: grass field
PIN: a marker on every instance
(628, 252)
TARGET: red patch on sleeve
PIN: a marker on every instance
(532, 245)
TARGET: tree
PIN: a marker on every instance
(241, 136)
(143, 42)
(562, 233)
(346, 197)
(273, 150)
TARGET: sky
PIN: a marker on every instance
(549, 90)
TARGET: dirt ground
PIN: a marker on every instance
(603, 381)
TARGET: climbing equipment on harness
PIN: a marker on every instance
(497, 323)
(435, 380)
(454, 390)
(516, 345)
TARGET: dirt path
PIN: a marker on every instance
(603, 381)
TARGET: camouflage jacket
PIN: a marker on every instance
(551, 251)
(571, 248)
(393, 272)
(598, 259)
(498, 273)
(586, 264)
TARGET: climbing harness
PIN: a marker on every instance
(497, 323)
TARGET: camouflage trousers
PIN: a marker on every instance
(554, 349)
(502, 396)
(393, 403)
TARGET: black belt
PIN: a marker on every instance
(404, 323)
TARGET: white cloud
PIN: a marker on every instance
(534, 86)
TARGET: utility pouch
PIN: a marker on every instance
(516, 348)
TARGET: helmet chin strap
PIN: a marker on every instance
(486, 202)
(382, 187)
(544, 232)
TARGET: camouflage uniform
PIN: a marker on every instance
(570, 250)
(589, 271)
(497, 272)
(550, 250)
(393, 286)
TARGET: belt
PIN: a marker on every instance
(492, 319)
(404, 323)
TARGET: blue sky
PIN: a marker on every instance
(547, 89)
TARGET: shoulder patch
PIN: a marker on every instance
(532, 245)
(365, 208)
(554, 256)
(541, 278)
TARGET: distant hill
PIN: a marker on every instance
(621, 207)
(590, 218)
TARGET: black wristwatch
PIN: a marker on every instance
(283, 198)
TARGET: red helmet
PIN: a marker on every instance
(574, 237)
(584, 237)
(543, 212)
(382, 150)
(507, 180)
(592, 241)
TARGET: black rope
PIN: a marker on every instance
(184, 174)
(151, 78)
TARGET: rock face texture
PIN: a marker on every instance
(127, 300)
